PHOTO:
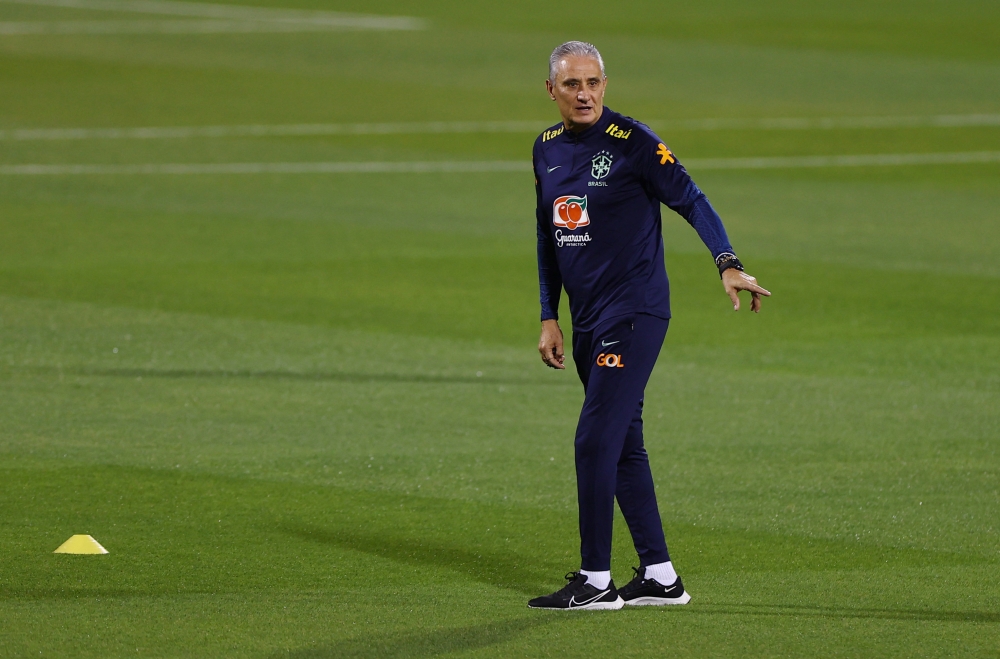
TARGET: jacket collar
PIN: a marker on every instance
(599, 126)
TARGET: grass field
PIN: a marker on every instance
(304, 411)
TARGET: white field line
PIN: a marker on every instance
(300, 17)
(399, 128)
(830, 123)
(13, 28)
(274, 130)
(873, 160)
(277, 168)
(462, 167)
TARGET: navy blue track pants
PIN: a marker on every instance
(614, 363)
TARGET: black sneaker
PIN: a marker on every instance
(650, 592)
(578, 594)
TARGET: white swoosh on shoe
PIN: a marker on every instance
(573, 603)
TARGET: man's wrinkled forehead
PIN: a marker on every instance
(576, 67)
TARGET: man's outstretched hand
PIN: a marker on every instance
(550, 344)
(736, 281)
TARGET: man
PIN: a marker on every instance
(600, 178)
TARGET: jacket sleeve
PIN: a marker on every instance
(669, 182)
(549, 277)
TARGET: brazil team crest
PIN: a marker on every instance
(570, 212)
(600, 166)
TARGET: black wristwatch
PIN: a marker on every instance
(727, 260)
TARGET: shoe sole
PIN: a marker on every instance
(660, 601)
(596, 606)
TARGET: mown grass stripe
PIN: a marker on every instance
(260, 130)
(524, 126)
(870, 160)
(211, 26)
(473, 166)
(274, 168)
(238, 13)
(831, 123)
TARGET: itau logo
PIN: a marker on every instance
(600, 166)
(570, 212)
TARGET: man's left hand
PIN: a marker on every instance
(735, 281)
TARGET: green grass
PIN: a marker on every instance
(305, 415)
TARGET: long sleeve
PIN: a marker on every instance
(700, 215)
(671, 184)
(549, 278)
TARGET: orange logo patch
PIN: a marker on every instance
(665, 154)
(611, 361)
(570, 212)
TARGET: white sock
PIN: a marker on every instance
(598, 580)
(663, 573)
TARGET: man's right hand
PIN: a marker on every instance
(735, 281)
(550, 344)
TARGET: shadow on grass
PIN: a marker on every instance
(474, 637)
(843, 613)
(190, 373)
(422, 644)
(490, 565)
(202, 517)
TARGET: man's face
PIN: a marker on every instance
(578, 90)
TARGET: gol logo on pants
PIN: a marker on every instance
(611, 361)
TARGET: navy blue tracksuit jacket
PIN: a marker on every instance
(598, 211)
(599, 236)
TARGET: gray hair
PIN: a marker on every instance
(573, 48)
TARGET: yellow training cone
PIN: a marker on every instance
(81, 544)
